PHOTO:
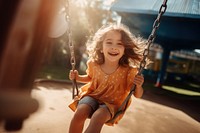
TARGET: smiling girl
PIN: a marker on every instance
(114, 57)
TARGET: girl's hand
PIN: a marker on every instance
(138, 80)
(73, 74)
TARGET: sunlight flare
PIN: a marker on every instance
(181, 91)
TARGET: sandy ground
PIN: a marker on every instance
(143, 116)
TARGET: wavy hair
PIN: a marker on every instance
(134, 46)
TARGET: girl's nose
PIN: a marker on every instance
(113, 48)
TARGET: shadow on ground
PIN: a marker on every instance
(186, 103)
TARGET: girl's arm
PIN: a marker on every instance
(138, 81)
(79, 78)
(83, 78)
(138, 92)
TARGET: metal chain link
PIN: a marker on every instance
(150, 40)
(71, 47)
(152, 36)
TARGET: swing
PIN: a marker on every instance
(150, 40)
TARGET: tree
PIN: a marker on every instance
(85, 17)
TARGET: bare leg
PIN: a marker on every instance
(78, 120)
(100, 116)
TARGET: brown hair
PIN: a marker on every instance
(134, 46)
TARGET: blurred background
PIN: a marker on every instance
(183, 63)
(35, 36)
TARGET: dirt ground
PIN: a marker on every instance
(153, 113)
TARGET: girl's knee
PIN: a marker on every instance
(101, 116)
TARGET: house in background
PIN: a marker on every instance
(179, 28)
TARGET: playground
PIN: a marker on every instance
(25, 43)
(155, 112)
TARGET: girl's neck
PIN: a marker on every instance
(109, 67)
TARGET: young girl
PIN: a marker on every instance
(114, 57)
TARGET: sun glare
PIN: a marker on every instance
(181, 91)
(81, 3)
(108, 2)
(197, 50)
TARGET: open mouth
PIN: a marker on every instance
(113, 54)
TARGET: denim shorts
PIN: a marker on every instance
(93, 103)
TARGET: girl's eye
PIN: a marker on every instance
(108, 42)
(119, 44)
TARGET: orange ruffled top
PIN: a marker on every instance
(111, 89)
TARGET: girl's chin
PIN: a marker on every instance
(113, 60)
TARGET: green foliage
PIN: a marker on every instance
(84, 20)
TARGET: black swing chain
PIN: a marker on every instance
(71, 47)
(150, 40)
(152, 36)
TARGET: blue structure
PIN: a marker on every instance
(179, 28)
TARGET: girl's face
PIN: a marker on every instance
(113, 49)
